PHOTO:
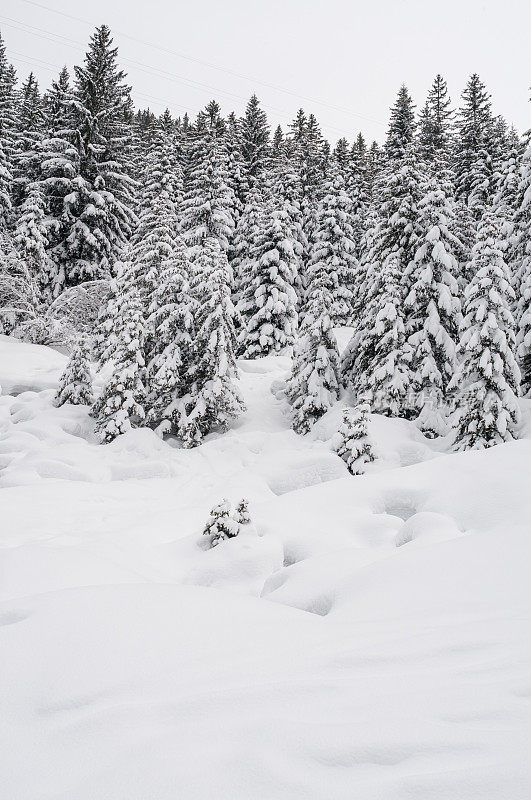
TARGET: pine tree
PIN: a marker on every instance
(7, 125)
(28, 133)
(353, 444)
(98, 210)
(241, 514)
(268, 307)
(220, 525)
(213, 399)
(401, 126)
(488, 379)
(522, 261)
(386, 383)
(171, 320)
(254, 131)
(121, 403)
(59, 165)
(472, 159)
(245, 241)
(436, 122)
(75, 385)
(313, 386)
(333, 247)
(31, 236)
(209, 202)
(432, 305)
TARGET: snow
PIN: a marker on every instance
(366, 636)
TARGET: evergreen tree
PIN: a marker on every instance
(436, 122)
(386, 384)
(75, 385)
(333, 247)
(472, 157)
(213, 398)
(313, 386)
(31, 237)
(121, 403)
(171, 321)
(268, 307)
(254, 132)
(241, 513)
(28, 133)
(209, 202)
(522, 261)
(220, 525)
(488, 379)
(353, 444)
(98, 210)
(401, 126)
(245, 241)
(432, 305)
(7, 125)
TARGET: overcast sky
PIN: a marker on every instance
(343, 60)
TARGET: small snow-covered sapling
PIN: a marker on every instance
(221, 525)
(354, 445)
(241, 515)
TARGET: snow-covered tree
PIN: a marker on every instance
(333, 247)
(171, 322)
(245, 241)
(268, 306)
(213, 398)
(31, 236)
(254, 131)
(435, 126)
(488, 379)
(401, 126)
(241, 513)
(353, 443)
(386, 383)
(522, 266)
(121, 403)
(313, 386)
(473, 165)
(221, 525)
(207, 210)
(432, 305)
(98, 209)
(75, 385)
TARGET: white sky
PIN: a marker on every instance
(343, 60)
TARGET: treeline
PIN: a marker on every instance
(196, 242)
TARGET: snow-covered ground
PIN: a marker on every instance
(368, 638)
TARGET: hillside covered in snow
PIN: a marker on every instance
(364, 636)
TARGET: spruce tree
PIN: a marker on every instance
(435, 126)
(522, 265)
(333, 248)
(171, 321)
(213, 398)
(209, 202)
(7, 125)
(121, 403)
(221, 525)
(268, 306)
(254, 132)
(401, 126)
(28, 133)
(472, 157)
(353, 444)
(31, 237)
(313, 386)
(432, 305)
(99, 208)
(75, 385)
(386, 384)
(487, 382)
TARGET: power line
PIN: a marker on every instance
(148, 69)
(212, 66)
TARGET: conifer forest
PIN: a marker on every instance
(265, 405)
